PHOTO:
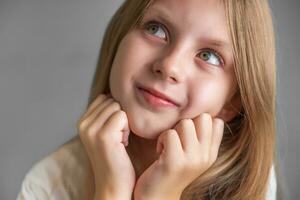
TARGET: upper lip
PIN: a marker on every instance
(158, 94)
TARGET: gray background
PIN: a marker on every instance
(48, 54)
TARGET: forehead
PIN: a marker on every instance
(200, 17)
(189, 5)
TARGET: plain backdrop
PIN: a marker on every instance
(48, 54)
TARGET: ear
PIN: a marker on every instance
(231, 109)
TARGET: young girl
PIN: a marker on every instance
(182, 106)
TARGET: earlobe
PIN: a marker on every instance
(231, 109)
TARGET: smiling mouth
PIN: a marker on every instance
(153, 100)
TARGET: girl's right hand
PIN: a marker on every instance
(104, 131)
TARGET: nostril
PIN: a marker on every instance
(165, 76)
(158, 71)
(173, 79)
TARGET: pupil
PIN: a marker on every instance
(205, 55)
(153, 29)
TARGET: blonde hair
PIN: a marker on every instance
(247, 151)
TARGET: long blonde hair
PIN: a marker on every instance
(247, 151)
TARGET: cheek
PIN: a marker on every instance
(208, 97)
(124, 65)
(131, 56)
(128, 65)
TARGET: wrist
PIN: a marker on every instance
(109, 196)
(159, 197)
(109, 191)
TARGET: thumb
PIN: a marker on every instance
(118, 122)
(125, 130)
(125, 137)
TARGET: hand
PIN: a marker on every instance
(186, 152)
(104, 130)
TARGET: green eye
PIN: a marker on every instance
(211, 57)
(205, 55)
(156, 29)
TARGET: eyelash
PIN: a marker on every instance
(153, 22)
(216, 54)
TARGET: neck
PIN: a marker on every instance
(142, 152)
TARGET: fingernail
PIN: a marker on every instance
(159, 148)
(126, 137)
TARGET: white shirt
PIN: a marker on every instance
(66, 174)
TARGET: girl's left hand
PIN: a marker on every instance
(186, 152)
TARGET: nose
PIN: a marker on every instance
(169, 66)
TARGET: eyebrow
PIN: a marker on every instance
(216, 42)
(162, 14)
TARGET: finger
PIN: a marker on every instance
(109, 95)
(218, 131)
(103, 115)
(117, 127)
(89, 119)
(170, 145)
(203, 125)
(94, 104)
(187, 134)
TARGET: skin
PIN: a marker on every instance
(168, 141)
(170, 60)
(101, 131)
(173, 66)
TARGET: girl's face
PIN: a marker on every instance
(181, 50)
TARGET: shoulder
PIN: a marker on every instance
(56, 174)
(272, 185)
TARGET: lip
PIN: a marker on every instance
(155, 97)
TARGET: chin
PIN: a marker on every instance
(142, 129)
(146, 134)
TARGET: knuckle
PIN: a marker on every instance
(97, 98)
(188, 121)
(119, 115)
(185, 123)
(207, 118)
(100, 135)
(170, 133)
(174, 167)
(91, 130)
(218, 122)
(103, 138)
(115, 106)
(86, 134)
(102, 95)
(81, 125)
(206, 115)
